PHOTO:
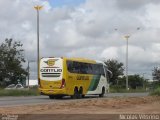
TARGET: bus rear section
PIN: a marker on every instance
(51, 77)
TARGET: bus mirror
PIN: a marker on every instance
(110, 75)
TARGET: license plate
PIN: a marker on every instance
(50, 90)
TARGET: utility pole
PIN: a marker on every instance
(38, 8)
(127, 37)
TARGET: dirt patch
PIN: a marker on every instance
(132, 105)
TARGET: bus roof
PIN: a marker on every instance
(81, 60)
(86, 60)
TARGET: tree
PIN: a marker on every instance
(134, 81)
(156, 73)
(116, 68)
(11, 59)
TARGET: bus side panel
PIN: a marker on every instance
(92, 85)
(77, 80)
(87, 83)
(84, 81)
(96, 85)
(70, 82)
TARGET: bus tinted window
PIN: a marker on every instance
(70, 66)
(85, 68)
(98, 69)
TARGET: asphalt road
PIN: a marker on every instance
(16, 101)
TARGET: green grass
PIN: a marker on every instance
(26, 92)
(156, 92)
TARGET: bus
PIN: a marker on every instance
(75, 77)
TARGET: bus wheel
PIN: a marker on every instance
(102, 94)
(80, 93)
(83, 96)
(51, 96)
(58, 97)
(76, 94)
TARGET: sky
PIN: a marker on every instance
(93, 29)
(61, 3)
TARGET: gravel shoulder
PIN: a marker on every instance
(116, 105)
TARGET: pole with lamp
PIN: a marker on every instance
(127, 37)
(38, 8)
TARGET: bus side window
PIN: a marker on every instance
(76, 67)
(83, 68)
(70, 66)
(95, 69)
(90, 69)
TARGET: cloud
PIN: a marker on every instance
(134, 4)
(87, 30)
(110, 53)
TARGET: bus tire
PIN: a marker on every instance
(76, 94)
(51, 96)
(80, 93)
(58, 97)
(83, 96)
(102, 93)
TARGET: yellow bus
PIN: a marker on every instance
(75, 77)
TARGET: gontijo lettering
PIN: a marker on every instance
(51, 70)
(82, 77)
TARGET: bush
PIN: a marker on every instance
(156, 91)
(117, 88)
(120, 89)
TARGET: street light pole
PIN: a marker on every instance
(28, 74)
(144, 80)
(38, 8)
(126, 37)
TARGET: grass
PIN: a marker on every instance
(25, 92)
(114, 89)
(156, 92)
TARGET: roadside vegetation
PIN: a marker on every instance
(118, 89)
(156, 92)
(136, 82)
(23, 92)
(156, 85)
(117, 82)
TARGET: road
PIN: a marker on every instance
(15, 101)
